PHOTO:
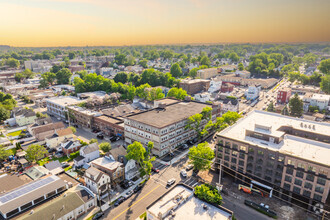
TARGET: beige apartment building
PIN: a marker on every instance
(285, 156)
(165, 125)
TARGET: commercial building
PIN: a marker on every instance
(180, 203)
(165, 125)
(285, 156)
(227, 87)
(81, 116)
(252, 92)
(57, 106)
(109, 125)
(208, 73)
(193, 86)
(71, 205)
(302, 90)
(30, 194)
(283, 96)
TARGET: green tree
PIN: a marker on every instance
(72, 55)
(93, 140)
(177, 93)
(230, 117)
(154, 94)
(201, 156)
(35, 152)
(285, 110)
(63, 76)
(193, 72)
(234, 57)
(325, 84)
(74, 130)
(141, 155)
(296, 106)
(121, 77)
(4, 154)
(120, 59)
(324, 66)
(176, 70)
(105, 147)
(205, 61)
(13, 63)
(241, 66)
(270, 107)
(194, 122)
(143, 63)
(4, 114)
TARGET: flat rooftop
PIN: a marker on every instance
(170, 115)
(191, 209)
(109, 119)
(192, 81)
(304, 148)
(65, 100)
(10, 182)
(84, 111)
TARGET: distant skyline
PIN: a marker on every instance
(42, 23)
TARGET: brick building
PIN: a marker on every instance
(283, 96)
(193, 86)
(109, 125)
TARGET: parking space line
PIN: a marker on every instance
(194, 184)
(185, 182)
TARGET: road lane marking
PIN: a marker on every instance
(194, 184)
(136, 202)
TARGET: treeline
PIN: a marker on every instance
(7, 103)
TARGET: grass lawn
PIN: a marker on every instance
(12, 151)
(15, 133)
(67, 168)
(43, 161)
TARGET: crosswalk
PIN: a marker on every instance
(191, 181)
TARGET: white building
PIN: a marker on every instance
(215, 86)
(87, 154)
(180, 203)
(320, 100)
(230, 105)
(202, 97)
(56, 106)
(97, 181)
(131, 170)
(252, 92)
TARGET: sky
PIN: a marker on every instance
(42, 23)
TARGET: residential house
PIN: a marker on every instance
(118, 154)
(202, 97)
(58, 137)
(54, 167)
(87, 153)
(22, 116)
(70, 146)
(230, 105)
(97, 181)
(43, 131)
(114, 169)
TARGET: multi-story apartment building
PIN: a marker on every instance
(208, 73)
(57, 106)
(320, 100)
(283, 96)
(109, 125)
(288, 157)
(193, 86)
(165, 125)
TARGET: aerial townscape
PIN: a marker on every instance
(118, 122)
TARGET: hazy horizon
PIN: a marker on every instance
(81, 23)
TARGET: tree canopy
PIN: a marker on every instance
(35, 152)
(296, 106)
(201, 156)
(105, 147)
(176, 70)
(177, 93)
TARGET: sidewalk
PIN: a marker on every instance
(174, 160)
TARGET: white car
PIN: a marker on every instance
(170, 182)
(183, 173)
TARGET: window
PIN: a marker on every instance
(321, 181)
(220, 148)
(310, 177)
(311, 169)
(308, 185)
(235, 147)
(243, 148)
(317, 197)
(301, 166)
(241, 155)
(323, 172)
(288, 178)
(289, 170)
(296, 189)
(234, 153)
(226, 158)
(251, 150)
(241, 163)
(227, 151)
(319, 189)
(260, 153)
(307, 193)
(250, 158)
(280, 159)
(290, 162)
(286, 186)
(220, 142)
(233, 160)
(227, 144)
(271, 156)
(269, 172)
(298, 182)
(270, 164)
(299, 174)
(268, 178)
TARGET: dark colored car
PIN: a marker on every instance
(98, 215)
(137, 188)
(119, 201)
(114, 138)
(100, 136)
(156, 170)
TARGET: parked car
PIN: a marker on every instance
(119, 201)
(65, 165)
(129, 194)
(185, 146)
(95, 130)
(98, 215)
(183, 173)
(59, 154)
(100, 136)
(156, 170)
(172, 154)
(114, 138)
(189, 167)
(170, 182)
(137, 188)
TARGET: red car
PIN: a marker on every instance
(155, 170)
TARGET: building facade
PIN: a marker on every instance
(193, 86)
(165, 125)
(57, 106)
(284, 156)
(109, 125)
(283, 96)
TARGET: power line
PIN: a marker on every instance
(249, 178)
